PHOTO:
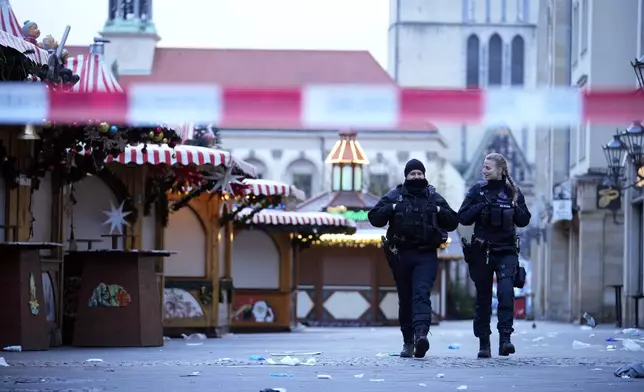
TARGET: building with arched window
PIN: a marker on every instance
(479, 44)
(473, 44)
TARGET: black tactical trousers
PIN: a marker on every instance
(503, 264)
(414, 272)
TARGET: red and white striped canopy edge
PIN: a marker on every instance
(163, 155)
(181, 155)
(357, 107)
(94, 74)
(272, 188)
(295, 218)
(8, 21)
(11, 35)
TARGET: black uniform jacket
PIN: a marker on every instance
(474, 203)
(383, 211)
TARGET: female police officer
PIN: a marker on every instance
(419, 219)
(495, 207)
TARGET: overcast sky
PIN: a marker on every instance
(262, 24)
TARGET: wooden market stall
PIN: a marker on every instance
(24, 276)
(190, 305)
(266, 249)
(101, 190)
(25, 320)
(345, 279)
(192, 247)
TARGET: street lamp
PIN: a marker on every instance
(638, 67)
(615, 150)
(634, 136)
(628, 144)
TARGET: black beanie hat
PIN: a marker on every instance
(414, 164)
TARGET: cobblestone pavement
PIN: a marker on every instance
(546, 361)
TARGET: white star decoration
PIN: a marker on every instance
(224, 183)
(116, 218)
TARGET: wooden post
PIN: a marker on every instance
(215, 243)
(228, 250)
(375, 302)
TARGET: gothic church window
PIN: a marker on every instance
(517, 61)
(495, 62)
(473, 62)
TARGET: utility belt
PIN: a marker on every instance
(392, 248)
(471, 251)
(490, 246)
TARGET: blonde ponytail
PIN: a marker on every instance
(515, 189)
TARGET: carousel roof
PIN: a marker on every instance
(347, 150)
(11, 35)
(94, 73)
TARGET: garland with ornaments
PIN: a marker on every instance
(62, 145)
(162, 180)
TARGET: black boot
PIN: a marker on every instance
(421, 346)
(407, 350)
(505, 345)
(485, 349)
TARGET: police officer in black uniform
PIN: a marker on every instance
(419, 219)
(496, 207)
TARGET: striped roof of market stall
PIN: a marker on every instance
(294, 218)
(273, 188)
(11, 35)
(181, 155)
(94, 74)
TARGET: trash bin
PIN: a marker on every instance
(520, 307)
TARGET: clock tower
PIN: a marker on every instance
(133, 36)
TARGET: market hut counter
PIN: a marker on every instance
(117, 301)
(24, 321)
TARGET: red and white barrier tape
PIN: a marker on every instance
(319, 106)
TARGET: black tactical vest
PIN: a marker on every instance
(501, 211)
(416, 225)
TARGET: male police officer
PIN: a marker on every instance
(495, 206)
(419, 219)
